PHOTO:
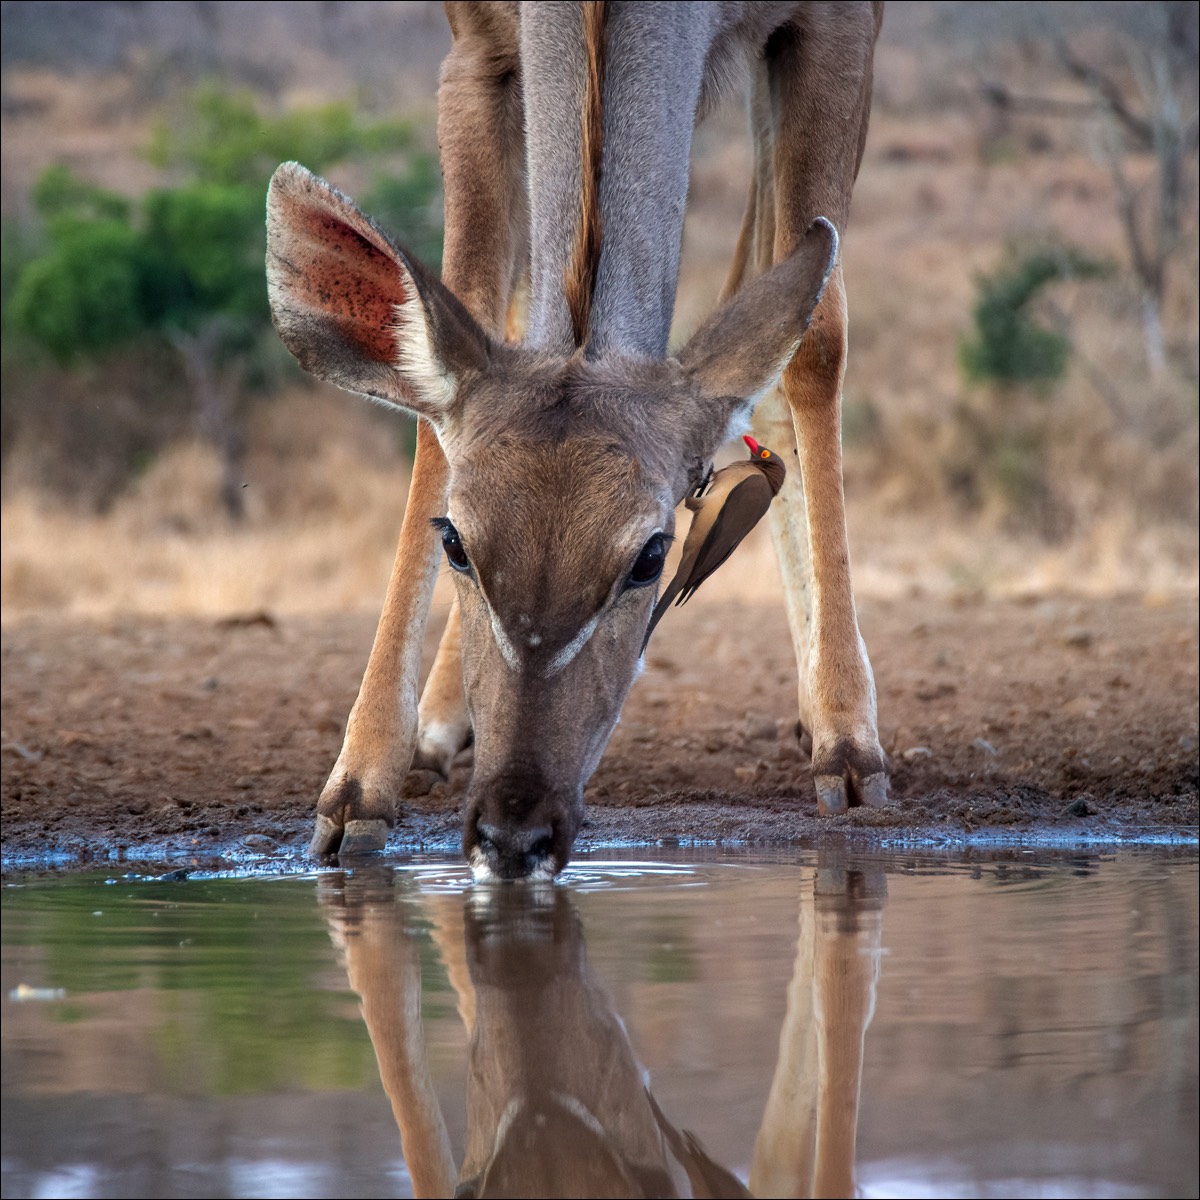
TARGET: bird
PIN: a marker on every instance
(736, 500)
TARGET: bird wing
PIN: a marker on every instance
(664, 602)
(744, 507)
(742, 494)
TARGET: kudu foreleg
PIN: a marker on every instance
(817, 109)
(357, 806)
(481, 137)
(837, 689)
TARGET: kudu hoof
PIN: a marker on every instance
(342, 827)
(848, 777)
(355, 837)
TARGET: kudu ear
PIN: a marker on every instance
(739, 353)
(356, 309)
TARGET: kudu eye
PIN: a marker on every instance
(456, 556)
(650, 562)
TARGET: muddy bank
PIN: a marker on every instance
(1055, 719)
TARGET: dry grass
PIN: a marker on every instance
(325, 491)
(161, 550)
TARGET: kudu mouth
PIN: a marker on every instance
(519, 827)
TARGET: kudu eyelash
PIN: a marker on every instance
(451, 540)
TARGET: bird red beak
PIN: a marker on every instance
(750, 442)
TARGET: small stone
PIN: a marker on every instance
(760, 728)
(915, 752)
(420, 783)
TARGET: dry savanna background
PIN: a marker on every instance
(196, 537)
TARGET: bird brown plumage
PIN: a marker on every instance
(734, 503)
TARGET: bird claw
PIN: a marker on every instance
(703, 485)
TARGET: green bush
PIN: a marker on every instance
(179, 274)
(1008, 346)
(84, 294)
(999, 454)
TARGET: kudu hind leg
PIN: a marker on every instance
(815, 158)
(445, 725)
(481, 136)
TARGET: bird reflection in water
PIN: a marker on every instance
(557, 1102)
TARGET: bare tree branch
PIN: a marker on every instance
(1000, 96)
(1139, 128)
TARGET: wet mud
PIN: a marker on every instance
(1050, 720)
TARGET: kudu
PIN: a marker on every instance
(552, 468)
(557, 1102)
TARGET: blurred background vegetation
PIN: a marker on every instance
(1021, 405)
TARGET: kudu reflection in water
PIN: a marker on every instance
(557, 1103)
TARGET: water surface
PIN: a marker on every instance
(1024, 1024)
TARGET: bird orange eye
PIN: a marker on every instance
(766, 454)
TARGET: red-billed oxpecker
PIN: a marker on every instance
(736, 500)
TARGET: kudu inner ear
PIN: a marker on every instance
(354, 308)
(742, 349)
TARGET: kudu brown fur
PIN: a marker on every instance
(558, 1103)
(552, 468)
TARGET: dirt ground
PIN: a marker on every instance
(1050, 719)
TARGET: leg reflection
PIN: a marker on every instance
(368, 925)
(806, 1142)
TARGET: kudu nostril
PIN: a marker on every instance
(520, 825)
(515, 853)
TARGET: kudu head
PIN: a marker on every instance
(564, 477)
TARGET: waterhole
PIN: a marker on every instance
(1016, 1024)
